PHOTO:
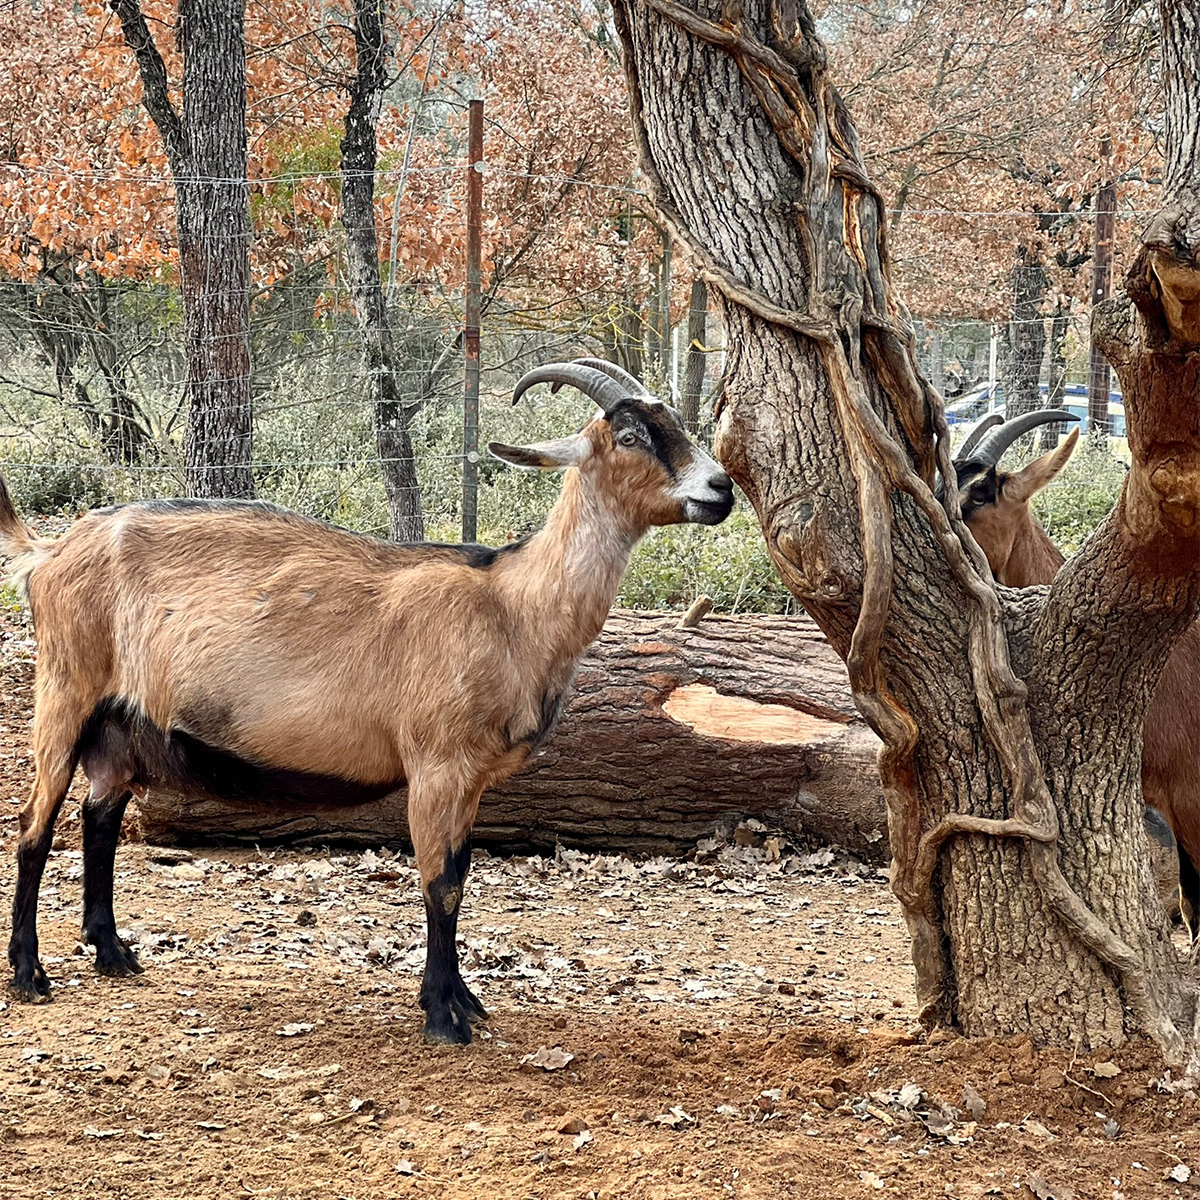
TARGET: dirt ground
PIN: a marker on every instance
(740, 1024)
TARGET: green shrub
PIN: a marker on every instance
(1081, 497)
(57, 487)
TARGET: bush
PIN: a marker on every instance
(1081, 497)
(728, 563)
(50, 488)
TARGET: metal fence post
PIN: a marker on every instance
(470, 504)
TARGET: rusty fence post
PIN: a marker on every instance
(470, 504)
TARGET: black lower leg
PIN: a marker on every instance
(1189, 894)
(29, 980)
(467, 998)
(101, 829)
(449, 1005)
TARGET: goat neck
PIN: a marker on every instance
(1033, 559)
(568, 573)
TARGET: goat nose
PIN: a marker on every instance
(720, 482)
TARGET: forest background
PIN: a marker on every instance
(1018, 146)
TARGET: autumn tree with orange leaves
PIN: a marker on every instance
(87, 205)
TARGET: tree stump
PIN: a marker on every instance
(670, 731)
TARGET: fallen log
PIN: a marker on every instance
(670, 732)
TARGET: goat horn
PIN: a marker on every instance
(993, 446)
(606, 391)
(975, 433)
(621, 375)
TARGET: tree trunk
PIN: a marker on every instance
(631, 339)
(1026, 334)
(1011, 722)
(660, 325)
(207, 153)
(124, 437)
(390, 415)
(1057, 358)
(697, 359)
(670, 732)
(213, 212)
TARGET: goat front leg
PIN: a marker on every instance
(441, 838)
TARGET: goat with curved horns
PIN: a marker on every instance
(995, 506)
(233, 649)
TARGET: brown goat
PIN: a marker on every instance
(995, 506)
(233, 649)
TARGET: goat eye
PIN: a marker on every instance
(627, 438)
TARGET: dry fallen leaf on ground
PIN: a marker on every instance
(548, 1060)
(973, 1102)
(1036, 1182)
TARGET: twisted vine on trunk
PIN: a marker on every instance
(826, 422)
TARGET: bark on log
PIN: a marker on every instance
(670, 732)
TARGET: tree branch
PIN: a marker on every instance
(155, 90)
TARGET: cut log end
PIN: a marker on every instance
(739, 719)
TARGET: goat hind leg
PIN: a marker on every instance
(1189, 895)
(51, 783)
(463, 994)
(102, 815)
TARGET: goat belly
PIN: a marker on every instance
(120, 743)
(551, 711)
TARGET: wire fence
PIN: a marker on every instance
(92, 344)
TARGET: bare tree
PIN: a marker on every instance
(206, 149)
(73, 316)
(391, 411)
(1011, 720)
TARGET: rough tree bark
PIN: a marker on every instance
(206, 149)
(1026, 333)
(670, 731)
(696, 360)
(1010, 762)
(390, 412)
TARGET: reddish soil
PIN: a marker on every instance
(740, 1025)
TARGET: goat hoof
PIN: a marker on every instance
(447, 1024)
(466, 999)
(30, 985)
(114, 957)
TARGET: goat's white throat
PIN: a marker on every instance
(582, 552)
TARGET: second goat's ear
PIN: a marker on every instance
(1029, 480)
(557, 455)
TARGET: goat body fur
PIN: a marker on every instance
(302, 648)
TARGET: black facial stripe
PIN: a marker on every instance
(978, 488)
(657, 424)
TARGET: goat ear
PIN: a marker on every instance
(1024, 484)
(557, 455)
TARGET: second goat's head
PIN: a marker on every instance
(635, 454)
(995, 502)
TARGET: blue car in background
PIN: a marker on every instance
(981, 400)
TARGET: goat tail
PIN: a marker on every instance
(15, 537)
(23, 548)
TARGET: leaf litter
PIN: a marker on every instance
(706, 1002)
